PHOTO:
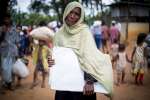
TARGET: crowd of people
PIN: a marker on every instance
(108, 41)
(104, 35)
(16, 43)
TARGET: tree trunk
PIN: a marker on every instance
(3, 9)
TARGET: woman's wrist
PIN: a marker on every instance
(89, 82)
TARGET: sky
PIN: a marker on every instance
(23, 4)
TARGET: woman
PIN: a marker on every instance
(76, 35)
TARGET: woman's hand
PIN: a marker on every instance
(88, 88)
(51, 61)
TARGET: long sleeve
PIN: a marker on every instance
(88, 77)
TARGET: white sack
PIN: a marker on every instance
(42, 33)
(20, 69)
(66, 74)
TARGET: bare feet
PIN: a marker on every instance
(34, 84)
(42, 85)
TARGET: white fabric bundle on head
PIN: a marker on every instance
(42, 33)
(97, 23)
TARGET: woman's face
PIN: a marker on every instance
(73, 16)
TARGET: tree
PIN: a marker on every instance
(57, 6)
(39, 6)
(3, 9)
(31, 19)
(6, 6)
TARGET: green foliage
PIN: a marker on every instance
(12, 2)
(31, 19)
(6, 7)
(39, 6)
(57, 6)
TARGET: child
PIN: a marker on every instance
(41, 52)
(138, 59)
(114, 52)
(40, 55)
(121, 61)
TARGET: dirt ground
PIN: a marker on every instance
(127, 91)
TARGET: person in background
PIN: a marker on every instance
(96, 30)
(118, 26)
(121, 63)
(8, 51)
(26, 41)
(21, 42)
(138, 59)
(114, 33)
(76, 35)
(30, 45)
(114, 52)
(147, 49)
(105, 38)
(53, 26)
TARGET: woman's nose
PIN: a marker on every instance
(72, 15)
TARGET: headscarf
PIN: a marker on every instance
(79, 38)
(77, 26)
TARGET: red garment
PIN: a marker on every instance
(105, 32)
(114, 33)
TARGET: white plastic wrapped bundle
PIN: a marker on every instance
(42, 33)
(20, 69)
